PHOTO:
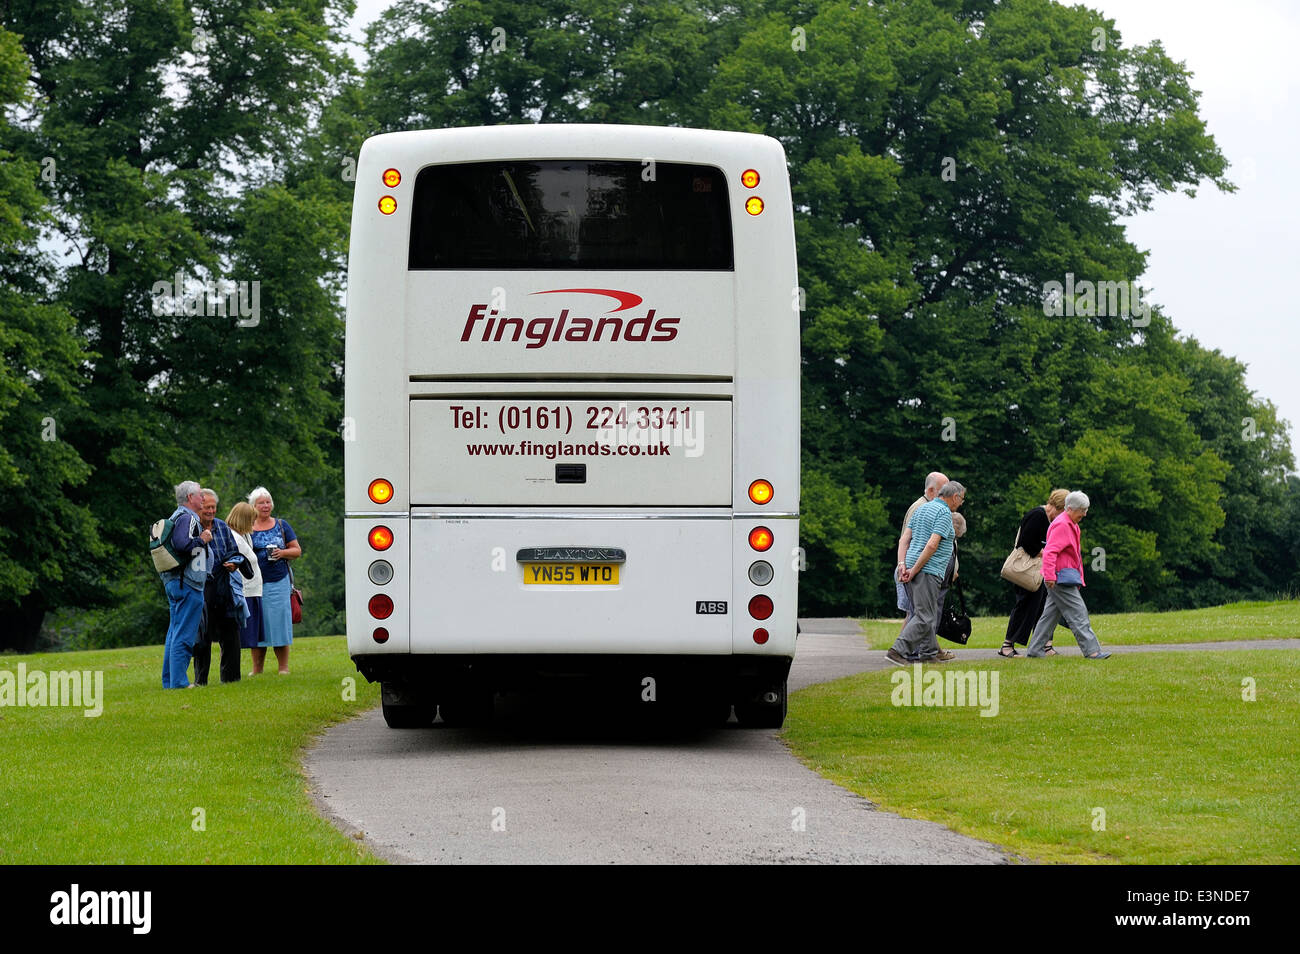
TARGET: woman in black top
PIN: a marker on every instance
(1029, 603)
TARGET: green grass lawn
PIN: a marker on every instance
(1236, 621)
(1184, 768)
(123, 787)
(1186, 771)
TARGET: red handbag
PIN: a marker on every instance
(295, 599)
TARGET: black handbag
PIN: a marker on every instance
(954, 626)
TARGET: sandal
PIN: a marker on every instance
(1050, 651)
(1007, 655)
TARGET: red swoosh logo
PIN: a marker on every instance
(625, 300)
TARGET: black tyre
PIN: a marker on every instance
(404, 709)
(409, 717)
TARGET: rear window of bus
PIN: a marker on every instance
(579, 214)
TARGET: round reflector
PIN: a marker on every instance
(381, 607)
(760, 538)
(760, 607)
(760, 573)
(749, 178)
(388, 205)
(760, 491)
(760, 636)
(392, 178)
(381, 491)
(753, 205)
(381, 572)
(381, 538)
(380, 635)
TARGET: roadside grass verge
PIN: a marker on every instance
(1186, 770)
(1235, 621)
(124, 787)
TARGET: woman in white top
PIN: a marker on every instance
(240, 520)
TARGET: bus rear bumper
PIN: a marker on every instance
(438, 676)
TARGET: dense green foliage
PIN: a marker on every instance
(165, 128)
(949, 158)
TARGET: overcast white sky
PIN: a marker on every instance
(1218, 264)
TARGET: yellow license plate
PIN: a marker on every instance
(571, 574)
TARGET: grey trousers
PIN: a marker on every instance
(917, 638)
(1064, 604)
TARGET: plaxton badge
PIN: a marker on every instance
(571, 555)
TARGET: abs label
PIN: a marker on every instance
(705, 607)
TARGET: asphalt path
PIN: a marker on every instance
(529, 790)
(536, 788)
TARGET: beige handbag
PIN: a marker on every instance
(1022, 569)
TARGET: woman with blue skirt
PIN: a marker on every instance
(276, 545)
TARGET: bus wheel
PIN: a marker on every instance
(402, 710)
(763, 712)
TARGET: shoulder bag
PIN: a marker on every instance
(1022, 569)
(295, 594)
(295, 599)
(954, 626)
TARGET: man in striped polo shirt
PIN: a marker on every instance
(926, 562)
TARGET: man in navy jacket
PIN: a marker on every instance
(184, 585)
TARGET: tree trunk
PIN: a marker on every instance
(20, 623)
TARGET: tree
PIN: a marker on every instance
(168, 126)
(949, 160)
(47, 540)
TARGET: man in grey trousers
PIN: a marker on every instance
(926, 563)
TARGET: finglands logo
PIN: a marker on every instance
(547, 328)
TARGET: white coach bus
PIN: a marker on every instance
(572, 402)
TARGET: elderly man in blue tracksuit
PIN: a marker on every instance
(184, 585)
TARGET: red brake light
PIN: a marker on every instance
(760, 607)
(381, 606)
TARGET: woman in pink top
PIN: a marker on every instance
(1063, 577)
